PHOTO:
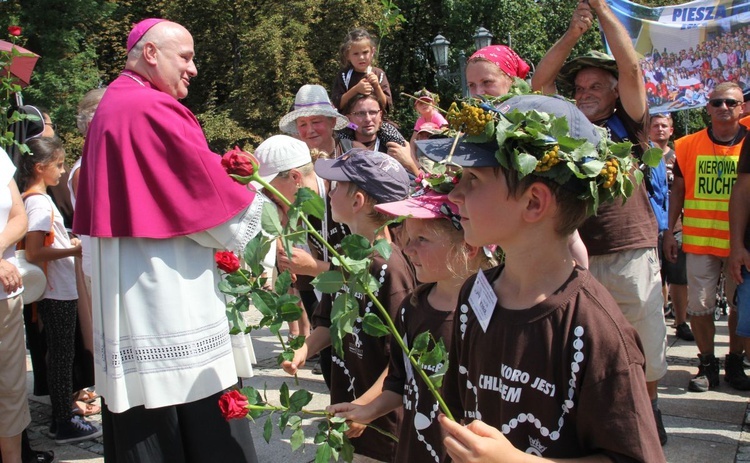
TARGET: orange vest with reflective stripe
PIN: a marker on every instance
(710, 171)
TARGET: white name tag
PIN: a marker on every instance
(482, 300)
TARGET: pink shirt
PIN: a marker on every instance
(147, 170)
(436, 119)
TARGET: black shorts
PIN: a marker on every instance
(673, 273)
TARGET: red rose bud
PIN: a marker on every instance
(233, 405)
(227, 261)
(240, 163)
(14, 30)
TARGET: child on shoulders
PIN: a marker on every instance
(358, 75)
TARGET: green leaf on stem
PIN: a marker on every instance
(238, 277)
(252, 394)
(225, 287)
(382, 247)
(236, 320)
(322, 433)
(356, 247)
(284, 395)
(283, 282)
(285, 356)
(290, 312)
(335, 438)
(264, 302)
(288, 298)
(373, 325)
(355, 266)
(337, 340)
(437, 377)
(268, 429)
(283, 420)
(329, 282)
(310, 203)
(433, 358)
(344, 312)
(652, 156)
(242, 304)
(363, 282)
(269, 219)
(297, 342)
(295, 421)
(420, 343)
(298, 439)
(255, 251)
(275, 327)
(347, 451)
(323, 454)
(298, 400)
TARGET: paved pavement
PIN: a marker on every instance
(707, 427)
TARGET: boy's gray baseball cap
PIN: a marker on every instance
(484, 154)
(378, 174)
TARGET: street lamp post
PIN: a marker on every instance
(440, 49)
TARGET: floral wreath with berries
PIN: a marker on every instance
(538, 143)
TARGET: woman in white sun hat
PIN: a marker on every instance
(313, 120)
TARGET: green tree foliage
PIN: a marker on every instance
(64, 33)
(253, 55)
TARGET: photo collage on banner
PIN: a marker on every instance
(687, 49)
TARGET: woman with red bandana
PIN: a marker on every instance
(490, 71)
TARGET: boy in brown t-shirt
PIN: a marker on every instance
(542, 360)
(362, 179)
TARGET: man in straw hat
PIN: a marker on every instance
(621, 239)
(314, 119)
(157, 204)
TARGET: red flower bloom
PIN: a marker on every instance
(14, 30)
(227, 261)
(233, 405)
(240, 163)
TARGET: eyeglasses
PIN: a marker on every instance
(452, 216)
(363, 114)
(730, 102)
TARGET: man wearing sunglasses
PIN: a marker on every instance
(705, 171)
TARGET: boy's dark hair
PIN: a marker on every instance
(571, 210)
(354, 35)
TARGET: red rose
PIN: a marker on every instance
(227, 261)
(14, 30)
(238, 162)
(233, 405)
